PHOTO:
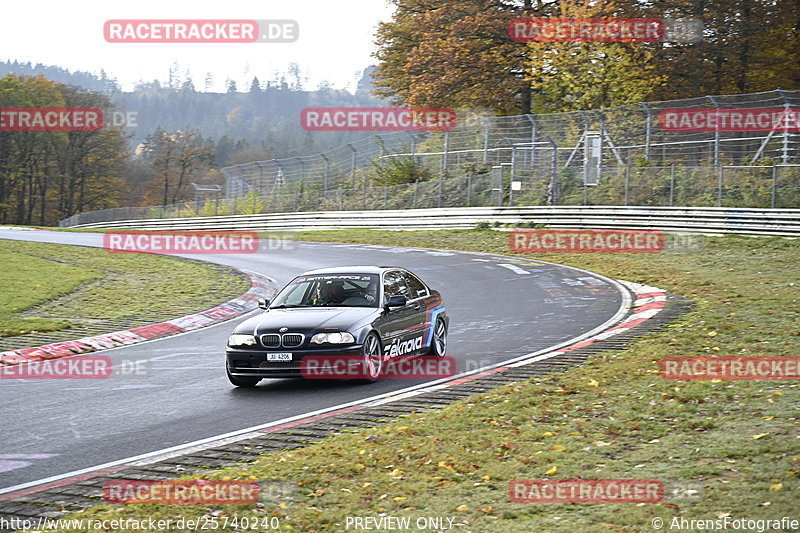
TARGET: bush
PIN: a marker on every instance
(399, 170)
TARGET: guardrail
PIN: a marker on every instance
(777, 222)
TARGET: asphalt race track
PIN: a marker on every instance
(498, 310)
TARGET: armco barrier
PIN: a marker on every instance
(746, 221)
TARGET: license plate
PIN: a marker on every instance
(279, 357)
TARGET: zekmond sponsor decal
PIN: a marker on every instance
(186, 242)
(196, 491)
(403, 347)
(586, 490)
(377, 119)
(730, 368)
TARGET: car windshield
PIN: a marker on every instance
(329, 290)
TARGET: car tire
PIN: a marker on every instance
(240, 381)
(439, 341)
(372, 358)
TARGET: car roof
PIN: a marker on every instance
(357, 269)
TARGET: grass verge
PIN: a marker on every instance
(48, 287)
(728, 449)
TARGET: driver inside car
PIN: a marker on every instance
(371, 293)
(330, 292)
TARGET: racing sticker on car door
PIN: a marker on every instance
(398, 348)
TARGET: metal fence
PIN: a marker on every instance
(586, 140)
(725, 186)
(614, 156)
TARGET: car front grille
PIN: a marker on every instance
(292, 340)
(287, 340)
(271, 340)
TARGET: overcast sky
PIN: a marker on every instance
(335, 44)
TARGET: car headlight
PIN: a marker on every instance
(333, 338)
(241, 340)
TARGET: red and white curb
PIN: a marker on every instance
(648, 302)
(244, 303)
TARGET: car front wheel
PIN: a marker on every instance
(439, 341)
(372, 359)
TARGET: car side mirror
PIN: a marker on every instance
(263, 303)
(397, 300)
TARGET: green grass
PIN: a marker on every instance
(27, 281)
(729, 447)
(48, 287)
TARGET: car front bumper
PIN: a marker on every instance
(254, 363)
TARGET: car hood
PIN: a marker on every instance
(307, 319)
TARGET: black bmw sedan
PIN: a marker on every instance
(368, 313)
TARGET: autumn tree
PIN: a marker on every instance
(49, 175)
(460, 55)
(570, 76)
(747, 46)
(177, 159)
(90, 163)
(456, 55)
